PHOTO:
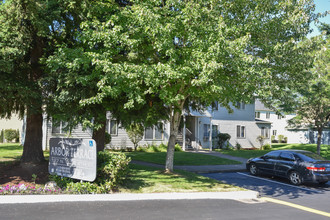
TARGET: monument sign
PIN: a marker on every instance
(73, 157)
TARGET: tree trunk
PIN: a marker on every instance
(99, 137)
(319, 138)
(174, 129)
(32, 149)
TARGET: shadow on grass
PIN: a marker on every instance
(151, 179)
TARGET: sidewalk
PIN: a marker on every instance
(207, 168)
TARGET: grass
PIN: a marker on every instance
(180, 158)
(144, 179)
(12, 152)
(257, 153)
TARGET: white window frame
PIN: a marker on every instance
(275, 132)
(240, 105)
(239, 131)
(268, 115)
(206, 132)
(61, 127)
(109, 127)
(265, 132)
(154, 128)
(257, 114)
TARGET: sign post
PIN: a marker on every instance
(73, 157)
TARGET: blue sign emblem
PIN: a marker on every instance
(91, 143)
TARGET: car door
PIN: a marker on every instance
(284, 163)
(267, 162)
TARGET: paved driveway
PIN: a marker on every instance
(310, 195)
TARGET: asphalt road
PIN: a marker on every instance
(154, 209)
(309, 195)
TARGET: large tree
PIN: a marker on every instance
(200, 51)
(312, 100)
(29, 32)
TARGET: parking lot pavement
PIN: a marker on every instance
(310, 195)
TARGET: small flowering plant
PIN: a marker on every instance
(23, 189)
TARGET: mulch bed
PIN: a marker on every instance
(15, 173)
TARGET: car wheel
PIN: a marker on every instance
(253, 169)
(295, 178)
(323, 182)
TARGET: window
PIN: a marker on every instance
(257, 114)
(240, 105)
(154, 133)
(287, 156)
(112, 127)
(265, 132)
(267, 115)
(272, 155)
(214, 131)
(274, 132)
(215, 106)
(279, 117)
(240, 131)
(206, 131)
(59, 127)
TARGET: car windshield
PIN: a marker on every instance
(309, 156)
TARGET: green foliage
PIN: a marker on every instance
(177, 147)
(325, 151)
(135, 133)
(1, 136)
(238, 146)
(11, 134)
(266, 147)
(222, 139)
(261, 140)
(161, 148)
(107, 138)
(112, 169)
(280, 138)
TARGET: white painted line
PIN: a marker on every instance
(280, 183)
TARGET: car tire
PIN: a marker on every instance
(295, 178)
(253, 169)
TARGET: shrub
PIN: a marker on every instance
(285, 140)
(280, 138)
(261, 140)
(1, 136)
(325, 150)
(266, 147)
(222, 139)
(135, 133)
(112, 168)
(238, 146)
(11, 134)
(272, 138)
(177, 147)
(107, 138)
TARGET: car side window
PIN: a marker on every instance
(287, 156)
(272, 155)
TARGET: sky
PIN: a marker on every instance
(321, 6)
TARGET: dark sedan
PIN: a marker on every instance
(297, 165)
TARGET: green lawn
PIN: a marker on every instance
(180, 158)
(143, 179)
(10, 151)
(258, 153)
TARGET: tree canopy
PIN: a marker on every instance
(183, 53)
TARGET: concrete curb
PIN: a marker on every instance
(234, 195)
